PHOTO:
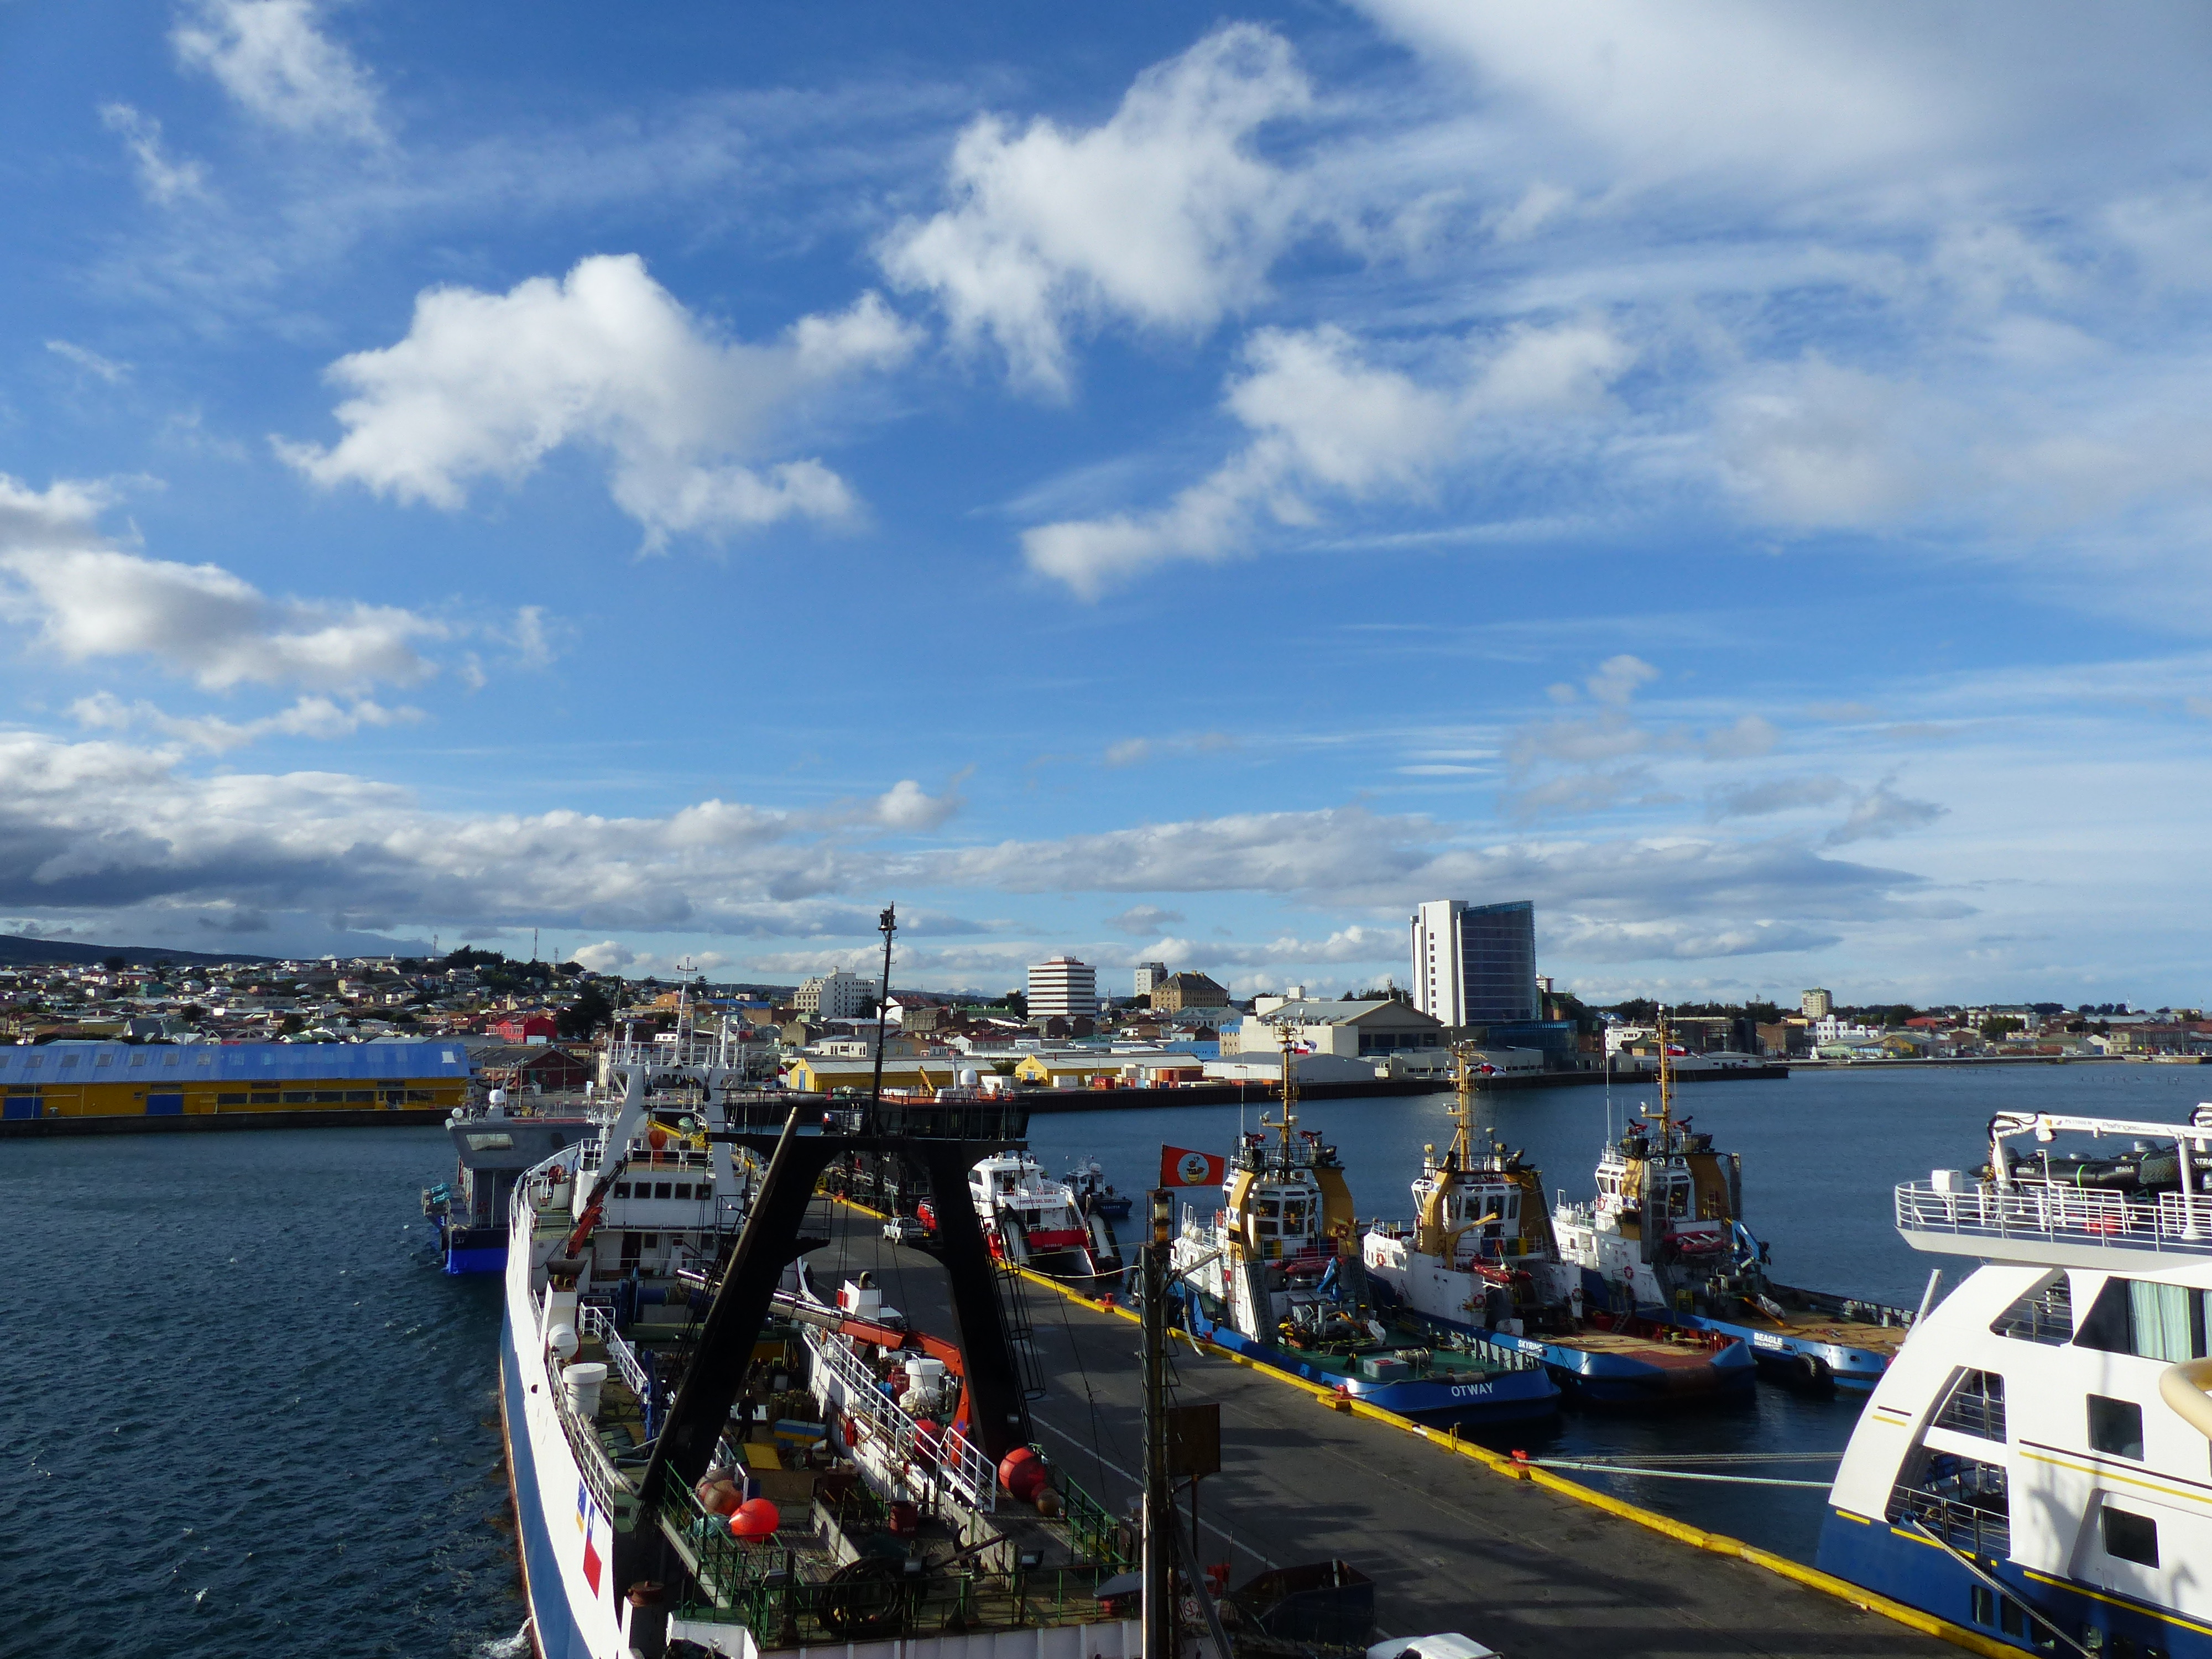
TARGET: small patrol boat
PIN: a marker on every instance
(1032, 1221)
(1094, 1194)
(1479, 1261)
(2033, 1464)
(1665, 1238)
(1275, 1274)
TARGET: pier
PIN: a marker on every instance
(1451, 1544)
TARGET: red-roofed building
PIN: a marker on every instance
(526, 1027)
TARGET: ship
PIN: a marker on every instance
(1032, 1221)
(493, 1148)
(73, 1086)
(1664, 1239)
(1275, 1274)
(702, 1453)
(1479, 1262)
(2033, 1465)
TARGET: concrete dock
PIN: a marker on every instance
(1450, 1545)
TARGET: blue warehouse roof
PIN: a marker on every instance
(232, 1062)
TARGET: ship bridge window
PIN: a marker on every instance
(2116, 1429)
(2156, 1321)
(1678, 1197)
(2044, 1313)
(492, 1143)
(1975, 1405)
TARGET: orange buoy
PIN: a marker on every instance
(757, 1518)
(656, 1137)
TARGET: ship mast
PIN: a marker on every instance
(1666, 1078)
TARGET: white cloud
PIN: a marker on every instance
(1142, 920)
(1881, 813)
(605, 956)
(89, 600)
(1812, 445)
(91, 362)
(319, 718)
(163, 178)
(1165, 214)
(906, 805)
(486, 385)
(1327, 423)
(272, 56)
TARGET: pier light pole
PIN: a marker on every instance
(1160, 1547)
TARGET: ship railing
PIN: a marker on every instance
(1962, 1526)
(843, 1382)
(2056, 1214)
(594, 1321)
(614, 1492)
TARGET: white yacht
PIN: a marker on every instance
(2034, 1464)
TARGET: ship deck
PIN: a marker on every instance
(1526, 1570)
(1644, 1349)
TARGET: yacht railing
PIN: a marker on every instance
(596, 1321)
(2059, 1215)
(959, 1464)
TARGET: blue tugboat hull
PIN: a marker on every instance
(474, 1249)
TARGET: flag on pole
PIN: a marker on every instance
(1181, 1167)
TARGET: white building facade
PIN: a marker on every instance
(1816, 1004)
(1150, 977)
(834, 995)
(1063, 986)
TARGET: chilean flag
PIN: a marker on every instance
(1181, 1167)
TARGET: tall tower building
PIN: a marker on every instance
(1816, 1004)
(1063, 986)
(1475, 964)
(1150, 976)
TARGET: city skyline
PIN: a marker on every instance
(1139, 487)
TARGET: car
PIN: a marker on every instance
(905, 1230)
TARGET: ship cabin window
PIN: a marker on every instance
(2045, 1315)
(2128, 1537)
(491, 1143)
(622, 1190)
(632, 1244)
(2155, 1322)
(1678, 1197)
(2116, 1429)
(660, 1189)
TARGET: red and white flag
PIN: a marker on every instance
(1181, 1167)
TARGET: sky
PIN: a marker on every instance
(1130, 483)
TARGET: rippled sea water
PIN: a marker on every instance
(242, 1410)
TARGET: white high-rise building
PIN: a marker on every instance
(1150, 977)
(1816, 1004)
(833, 995)
(1064, 986)
(1475, 964)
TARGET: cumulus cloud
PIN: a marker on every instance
(87, 600)
(272, 56)
(486, 385)
(1327, 423)
(906, 805)
(1165, 214)
(164, 179)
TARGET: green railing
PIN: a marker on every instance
(1097, 1535)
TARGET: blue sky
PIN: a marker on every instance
(1135, 484)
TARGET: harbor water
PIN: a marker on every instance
(246, 1411)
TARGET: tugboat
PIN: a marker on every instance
(1093, 1194)
(1665, 1237)
(1480, 1261)
(2033, 1464)
(1275, 1275)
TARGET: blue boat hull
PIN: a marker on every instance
(1503, 1397)
(1612, 1379)
(1907, 1568)
(473, 1250)
(1789, 1358)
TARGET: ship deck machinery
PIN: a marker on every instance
(647, 1398)
(2034, 1463)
